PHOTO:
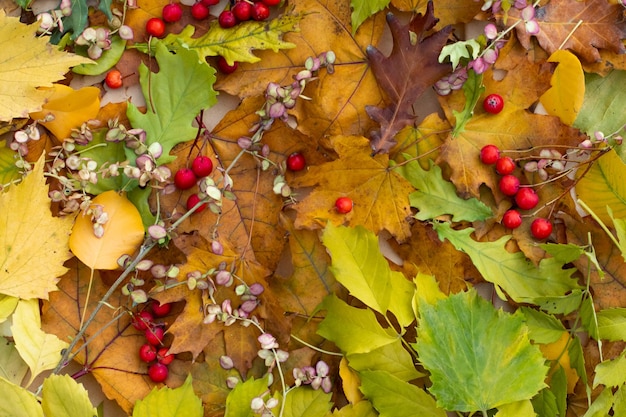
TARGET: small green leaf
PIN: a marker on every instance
(479, 357)
(17, 401)
(393, 397)
(103, 152)
(175, 95)
(542, 327)
(619, 406)
(588, 317)
(473, 88)
(577, 358)
(62, 396)
(558, 386)
(512, 273)
(353, 330)
(563, 252)
(392, 358)
(107, 60)
(612, 324)
(468, 49)
(238, 401)
(77, 21)
(361, 409)
(563, 304)
(306, 402)
(544, 403)
(168, 402)
(362, 9)
(601, 405)
(435, 196)
(8, 170)
(620, 230)
(522, 408)
(611, 373)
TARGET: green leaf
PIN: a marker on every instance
(168, 402)
(107, 60)
(612, 324)
(588, 317)
(562, 252)
(12, 367)
(392, 358)
(238, 401)
(577, 358)
(473, 88)
(362, 9)
(8, 170)
(307, 402)
(234, 44)
(175, 95)
(611, 373)
(479, 357)
(393, 397)
(428, 291)
(544, 403)
(353, 330)
(620, 230)
(601, 405)
(512, 273)
(516, 409)
(619, 405)
(435, 196)
(62, 396)
(542, 327)
(562, 304)
(468, 49)
(17, 401)
(77, 21)
(104, 152)
(558, 386)
(361, 409)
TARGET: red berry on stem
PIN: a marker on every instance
(155, 27)
(493, 103)
(192, 201)
(271, 2)
(260, 11)
(154, 336)
(505, 165)
(200, 11)
(227, 19)
(489, 154)
(512, 219)
(172, 12)
(164, 357)
(541, 228)
(509, 185)
(202, 166)
(526, 198)
(224, 67)
(113, 79)
(343, 205)
(147, 353)
(209, 3)
(185, 179)
(160, 310)
(143, 320)
(296, 162)
(242, 10)
(157, 372)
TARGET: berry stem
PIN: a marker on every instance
(310, 346)
(600, 222)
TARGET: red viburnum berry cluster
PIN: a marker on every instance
(186, 178)
(525, 197)
(153, 352)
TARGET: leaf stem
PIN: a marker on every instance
(597, 219)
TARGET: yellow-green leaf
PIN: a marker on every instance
(69, 109)
(64, 397)
(12, 367)
(565, 98)
(40, 350)
(123, 232)
(7, 306)
(17, 401)
(522, 408)
(33, 243)
(27, 62)
(167, 402)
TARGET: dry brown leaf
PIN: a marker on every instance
(449, 12)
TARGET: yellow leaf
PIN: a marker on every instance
(40, 350)
(350, 382)
(565, 98)
(603, 185)
(523, 408)
(558, 351)
(70, 109)
(27, 62)
(33, 243)
(123, 232)
(7, 306)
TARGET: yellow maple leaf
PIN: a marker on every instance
(33, 243)
(26, 63)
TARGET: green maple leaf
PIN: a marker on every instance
(435, 196)
(512, 273)
(479, 357)
(362, 9)
(175, 95)
(168, 402)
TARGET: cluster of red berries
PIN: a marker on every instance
(186, 178)
(153, 352)
(524, 196)
(243, 10)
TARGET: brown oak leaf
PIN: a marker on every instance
(405, 74)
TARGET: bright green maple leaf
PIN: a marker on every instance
(435, 196)
(512, 273)
(238, 400)
(362, 9)
(479, 357)
(393, 397)
(175, 95)
(168, 402)
(611, 373)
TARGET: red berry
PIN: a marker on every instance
(509, 185)
(541, 228)
(192, 201)
(512, 219)
(154, 336)
(271, 2)
(223, 66)
(164, 357)
(242, 10)
(526, 198)
(185, 179)
(505, 165)
(160, 310)
(155, 27)
(200, 11)
(296, 162)
(202, 166)
(113, 79)
(209, 3)
(172, 12)
(343, 205)
(147, 353)
(157, 372)
(260, 11)
(493, 104)
(489, 154)
(227, 19)
(143, 320)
